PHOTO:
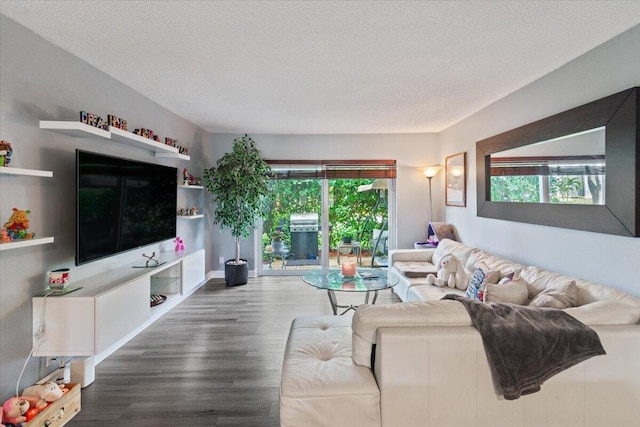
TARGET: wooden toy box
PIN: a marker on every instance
(61, 411)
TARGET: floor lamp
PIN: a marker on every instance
(430, 172)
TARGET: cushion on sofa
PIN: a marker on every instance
(425, 292)
(475, 258)
(479, 279)
(319, 379)
(507, 279)
(450, 247)
(538, 280)
(606, 313)
(513, 292)
(476, 283)
(561, 296)
(590, 292)
(415, 269)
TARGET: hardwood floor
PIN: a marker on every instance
(214, 360)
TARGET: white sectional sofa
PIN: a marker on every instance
(421, 363)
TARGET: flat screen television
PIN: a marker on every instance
(122, 204)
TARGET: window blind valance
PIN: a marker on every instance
(552, 165)
(328, 169)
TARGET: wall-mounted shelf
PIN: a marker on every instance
(190, 216)
(192, 187)
(126, 137)
(29, 172)
(79, 130)
(25, 243)
(74, 129)
(173, 155)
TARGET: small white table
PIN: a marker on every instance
(348, 248)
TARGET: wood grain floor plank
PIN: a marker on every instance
(217, 356)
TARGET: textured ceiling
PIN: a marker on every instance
(325, 66)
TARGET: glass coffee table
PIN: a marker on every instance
(366, 280)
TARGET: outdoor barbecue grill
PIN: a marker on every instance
(304, 228)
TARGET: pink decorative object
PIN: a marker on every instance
(179, 244)
(348, 268)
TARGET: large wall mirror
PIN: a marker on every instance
(578, 169)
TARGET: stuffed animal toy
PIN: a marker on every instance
(18, 225)
(451, 273)
(5, 153)
(46, 393)
(14, 410)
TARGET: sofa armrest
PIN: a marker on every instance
(414, 255)
(369, 318)
(426, 374)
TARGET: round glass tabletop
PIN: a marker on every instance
(365, 279)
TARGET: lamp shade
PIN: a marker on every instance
(431, 171)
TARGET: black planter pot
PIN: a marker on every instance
(235, 275)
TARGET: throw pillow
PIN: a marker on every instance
(492, 276)
(505, 280)
(561, 296)
(476, 284)
(513, 292)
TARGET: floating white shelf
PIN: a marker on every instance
(25, 243)
(192, 187)
(190, 216)
(78, 130)
(30, 172)
(126, 137)
(75, 129)
(174, 155)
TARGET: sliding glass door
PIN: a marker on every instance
(292, 232)
(317, 218)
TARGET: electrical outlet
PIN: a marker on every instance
(221, 260)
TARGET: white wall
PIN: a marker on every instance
(613, 260)
(39, 81)
(409, 150)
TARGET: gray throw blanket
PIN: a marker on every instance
(526, 346)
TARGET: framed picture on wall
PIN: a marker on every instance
(456, 180)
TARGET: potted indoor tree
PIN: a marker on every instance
(239, 184)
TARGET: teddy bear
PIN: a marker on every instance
(18, 224)
(451, 273)
(5, 153)
(14, 410)
(45, 393)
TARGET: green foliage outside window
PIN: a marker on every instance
(565, 189)
(515, 189)
(348, 209)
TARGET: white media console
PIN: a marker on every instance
(113, 307)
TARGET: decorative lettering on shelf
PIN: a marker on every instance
(93, 120)
(117, 122)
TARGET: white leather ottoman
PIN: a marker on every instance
(320, 384)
